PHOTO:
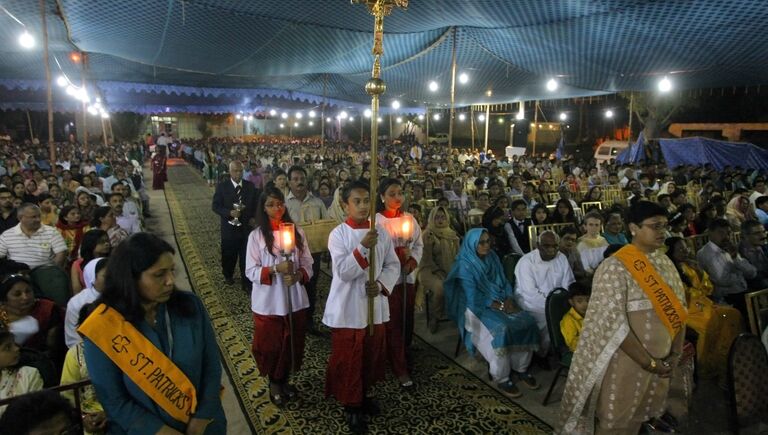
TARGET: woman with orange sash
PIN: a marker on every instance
(633, 335)
(273, 276)
(150, 348)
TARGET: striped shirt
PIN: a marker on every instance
(36, 250)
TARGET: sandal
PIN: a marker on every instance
(509, 388)
(275, 396)
(529, 381)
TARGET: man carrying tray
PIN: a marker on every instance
(304, 209)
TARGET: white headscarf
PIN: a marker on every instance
(89, 272)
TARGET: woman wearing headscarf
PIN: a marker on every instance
(480, 299)
(441, 244)
(633, 335)
(738, 211)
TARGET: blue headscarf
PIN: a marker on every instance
(483, 275)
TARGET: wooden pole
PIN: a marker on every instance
(453, 93)
(472, 125)
(322, 111)
(31, 132)
(49, 90)
(631, 108)
(426, 123)
(535, 124)
(487, 124)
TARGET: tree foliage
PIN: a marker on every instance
(128, 126)
(655, 110)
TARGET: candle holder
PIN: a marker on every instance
(239, 206)
(287, 233)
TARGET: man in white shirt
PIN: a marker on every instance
(32, 243)
(536, 275)
(303, 207)
(130, 224)
(759, 187)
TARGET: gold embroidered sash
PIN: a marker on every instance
(148, 367)
(662, 297)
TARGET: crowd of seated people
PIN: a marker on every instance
(559, 216)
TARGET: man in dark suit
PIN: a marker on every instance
(234, 239)
(520, 224)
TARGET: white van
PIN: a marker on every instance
(609, 150)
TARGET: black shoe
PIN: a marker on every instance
(312, 330)
(370, 406)
(247, 287)
(356, 421)
(229, 280)
(542, 362)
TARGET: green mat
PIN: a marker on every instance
(448, 399)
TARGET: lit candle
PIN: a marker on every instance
(406, 228)
(287, 237)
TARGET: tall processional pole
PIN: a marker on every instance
(375, 87)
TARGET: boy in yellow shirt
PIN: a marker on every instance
(572, 322)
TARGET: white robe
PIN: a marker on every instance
(271, 299)
(347, 305)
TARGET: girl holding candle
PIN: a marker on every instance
(406, 234)
(278, 263)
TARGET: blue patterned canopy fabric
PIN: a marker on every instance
(301, 50)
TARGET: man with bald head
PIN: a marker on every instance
(234, 238)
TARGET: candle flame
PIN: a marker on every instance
(406, 228)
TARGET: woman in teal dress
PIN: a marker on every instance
(480, 299)
(140, 287)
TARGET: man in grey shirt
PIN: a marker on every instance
(728, 271)
(753, 248)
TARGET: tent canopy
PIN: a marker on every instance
(304, 49)
(700, 151)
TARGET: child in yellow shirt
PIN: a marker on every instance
(572, 323)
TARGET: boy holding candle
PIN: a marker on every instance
(358, 356)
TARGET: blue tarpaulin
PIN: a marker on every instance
(634, 153)
(700, 150)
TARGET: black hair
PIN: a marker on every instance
(642, 210)
(536, 208)
(11, 280)
(611, 249)
(556, 217)
(32, 410)
(99, 214)
(128, 261)
(262, 219)
(578, 288)
(491, 214)
(5, 335)
(570, 229)
(594, 215)
(670, 243)
(5, 190)
(296, 168)
(89, 242)
(717, 224)
(516, 203)
(761, 200)
(357, 184)
(109, 196)
(383, 186)
(65, 211)
(747, 225)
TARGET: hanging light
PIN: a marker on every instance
(299, 115)
(367, 113)
(311, 123)
(312, 114)
(282, 125)
(379, 120)
(351, 118)
(436, 116)
(665, 85)
(552, 85)
(295, 124)
(609, 113)
(501, 120)
(433, 86)
(250, 117)
(481, 117)
(343, 115)
(272, 112)
(93, 110)
(328, 119)
(104, 115)
(284, 115)
(395, 104)
(61, 81)
(238, 116)
(489, 93)
(399, 120)
(462, 117)
(563, 116)
(463, 78)
(26, 40)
